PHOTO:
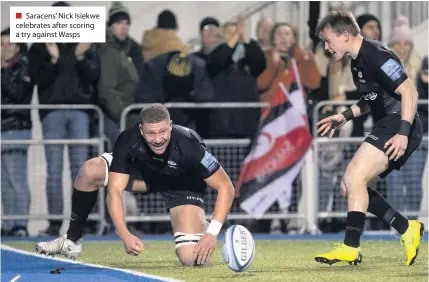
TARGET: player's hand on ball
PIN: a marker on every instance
(133, 245)
(329, 124)
(204, 249)
(398, 144)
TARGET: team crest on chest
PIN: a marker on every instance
(360, 75)
(172, 164)
(370, 96)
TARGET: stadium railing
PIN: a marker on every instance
(37, 181)
(230, 152)
(331, 156)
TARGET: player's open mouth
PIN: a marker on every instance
(158, 146)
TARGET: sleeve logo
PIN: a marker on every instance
(393, 69)
(209, 162)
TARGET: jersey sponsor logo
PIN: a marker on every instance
(172, 164)
(209, 161)
(373, 137)
(370, 96)
(393, 69)
(193, 198)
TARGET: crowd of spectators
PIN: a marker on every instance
(229, 67)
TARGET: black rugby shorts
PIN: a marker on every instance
(183, 197)
(386, 128)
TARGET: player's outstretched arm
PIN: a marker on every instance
(117, 184)
(329, 124)
(221, 182)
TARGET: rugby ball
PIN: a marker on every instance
(238, 248)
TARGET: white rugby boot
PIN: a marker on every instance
(60, 246)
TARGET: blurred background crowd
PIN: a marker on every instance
(228, 66)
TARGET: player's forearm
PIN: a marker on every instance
(116, 211)
(356, 110)
(409, 106)
(224, 200)
(360, 108)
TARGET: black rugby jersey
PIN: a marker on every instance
(184, 165)
(377, 73)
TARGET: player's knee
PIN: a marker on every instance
(185, 244)
(343, 188)
(91, 174)
(353, 179)
(186, 255)
(186, 258)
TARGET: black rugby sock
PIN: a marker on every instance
(379, 207)
(82, 204)
(354, 229)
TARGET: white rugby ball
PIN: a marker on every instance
(238, 248)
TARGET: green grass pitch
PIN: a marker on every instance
(274, 261)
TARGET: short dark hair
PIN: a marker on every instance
(22, 46)
(154, 113)
(167, 20)
(340, 21)
(208, 21)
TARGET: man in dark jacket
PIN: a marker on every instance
(234, 67)
(121, 61)
(176, 77)
(65, 73)
(16, 88)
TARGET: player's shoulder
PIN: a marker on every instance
(376, 52)
(185, 134)
(130, 135)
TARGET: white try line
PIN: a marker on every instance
(136, 273)
(15, 279)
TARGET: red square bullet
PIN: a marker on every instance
(18, 15)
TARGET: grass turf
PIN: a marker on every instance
(274, 261)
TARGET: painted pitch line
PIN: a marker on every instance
(136, 273)
(15, 278)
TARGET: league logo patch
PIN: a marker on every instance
(393, 69)
(209, 161)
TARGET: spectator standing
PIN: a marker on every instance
(284, 39)
(163, 38)
(121, 62)
(65, 73)
(263, 32)
(16, 88)
(233, 66)
(401, 42)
